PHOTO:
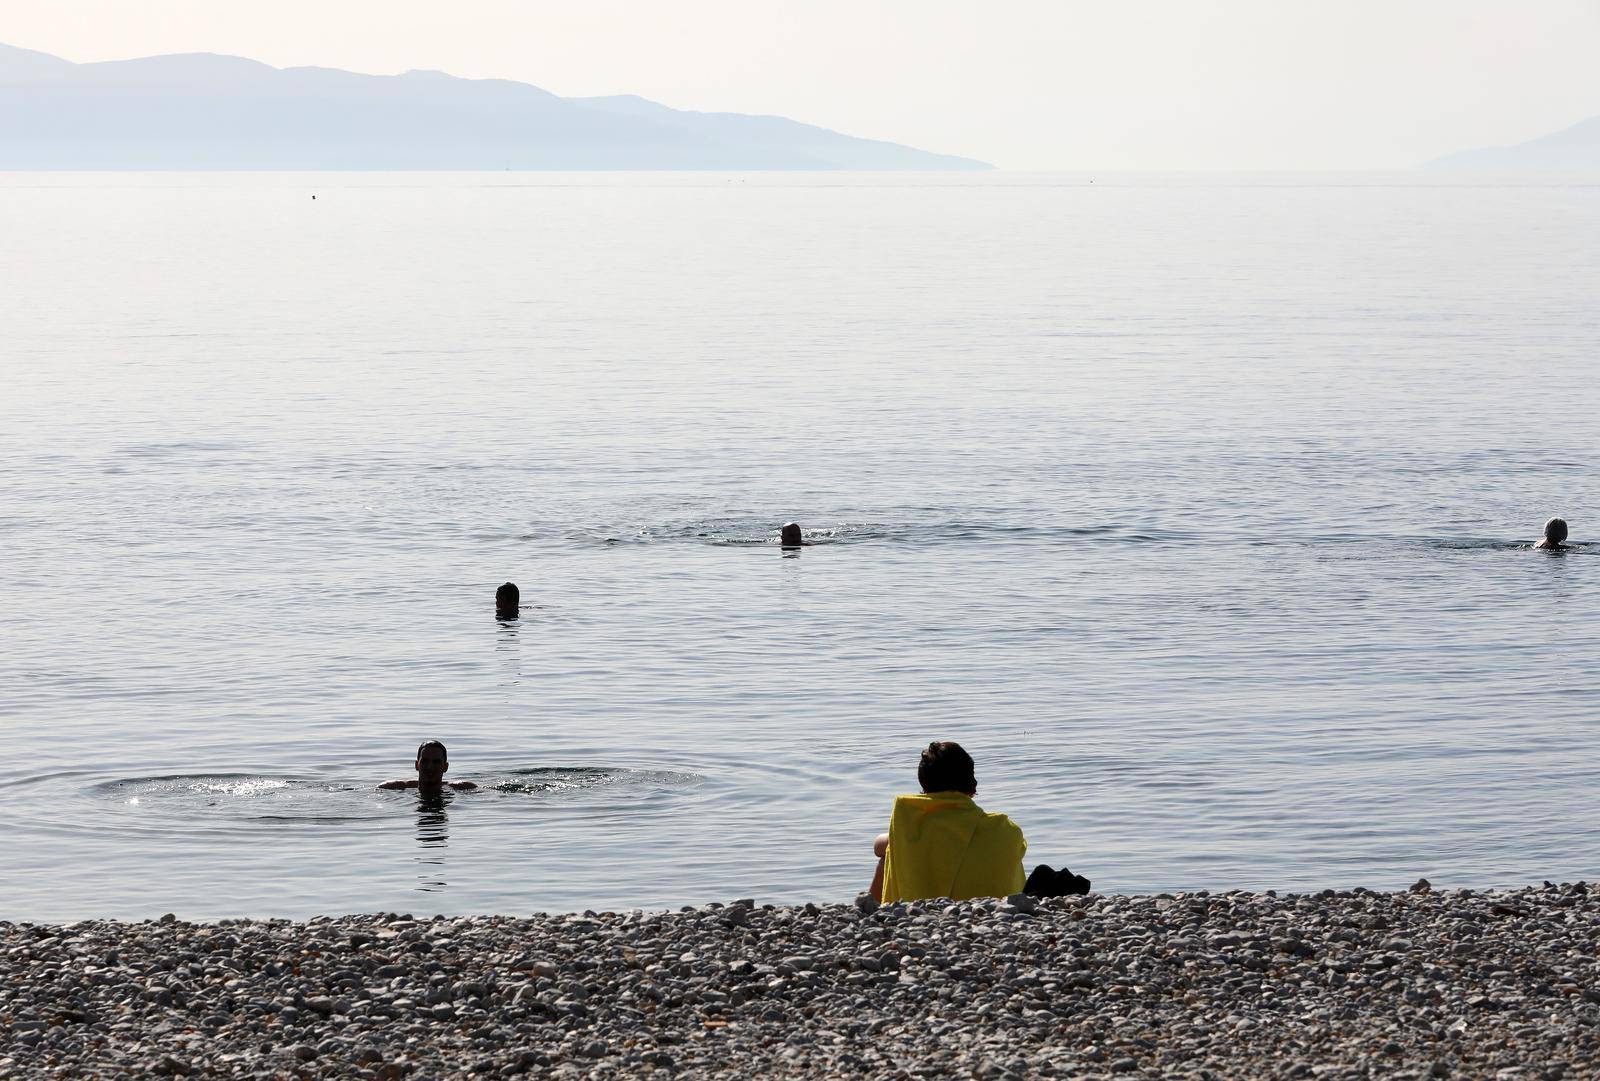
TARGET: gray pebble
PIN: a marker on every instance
(1239, 985)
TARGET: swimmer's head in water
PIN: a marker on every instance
(432, 762)
(506, 601)
(1555, 530)
(946, 767)
(790, 536)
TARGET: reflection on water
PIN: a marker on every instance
(508, 652)
(433, 837)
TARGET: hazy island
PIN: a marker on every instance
(204, 111)
(1577, 147)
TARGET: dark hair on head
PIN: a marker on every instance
(508, 593)
(946, 767)
(1556, 529)
(427, 743)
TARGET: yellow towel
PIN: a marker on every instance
(941, 844)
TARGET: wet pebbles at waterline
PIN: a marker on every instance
(1349, 984)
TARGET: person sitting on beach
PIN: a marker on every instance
(941, 844)
(1555, 534)
(507, 601)
(432, 762)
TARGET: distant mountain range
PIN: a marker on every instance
(203, 111)
(1577, 147)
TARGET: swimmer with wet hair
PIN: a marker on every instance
(507, 600)
(432, 762)
(1555, 535)
(789, 535)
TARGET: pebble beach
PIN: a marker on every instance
(1356, 984)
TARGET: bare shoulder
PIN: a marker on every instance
(396, 786)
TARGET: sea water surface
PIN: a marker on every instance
(1196, 507)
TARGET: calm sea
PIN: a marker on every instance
(1196, 507)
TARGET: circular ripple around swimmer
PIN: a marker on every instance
(222, 802)
(599, 793)
(555, 780)
(752, 531)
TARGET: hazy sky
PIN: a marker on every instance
(1026, 84)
